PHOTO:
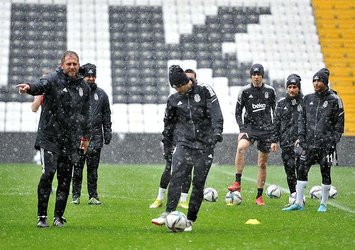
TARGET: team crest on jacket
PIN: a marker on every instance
(299, 108)
(325, 104)
(81, 92)
(266, 95)
(96, 97)
(197, 98)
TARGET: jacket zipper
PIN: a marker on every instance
(193, 124)
(315, 125)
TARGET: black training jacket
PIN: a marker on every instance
(286, 121)
(100, 116)
(65, 112)
(259, 104)
(193, 119)
(321, 121)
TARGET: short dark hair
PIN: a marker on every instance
(66, 53)
(191, 71)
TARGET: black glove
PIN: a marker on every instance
(217, 138)
(107, 139)
(303, 145)
(298, 150)
(300, 147)
(168, 152)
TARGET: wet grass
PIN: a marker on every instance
(123, 221)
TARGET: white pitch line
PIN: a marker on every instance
(285, 190)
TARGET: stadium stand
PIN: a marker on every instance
(37, 41)
(88, 35)
(335, 25)
(134, 41)
(5, 24)
(2, 116)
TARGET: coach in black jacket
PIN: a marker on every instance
(320, 127)
(63, 128)
(285, 125)
(100, 117)
(193, 119)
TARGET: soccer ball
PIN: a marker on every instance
(176, 221)
(273, 191)
(292, 199)
(316, 192)
(210, 194)
(333, 192)
(233, 198)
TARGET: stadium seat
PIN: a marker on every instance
(2, 116)
(135, 118)
(12, 121)
(336, 38)
(29, 119)
(151, 118)
(120, 118)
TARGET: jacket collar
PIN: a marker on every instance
(192, 90)
(297, 98)
(252, 85)
(323, 94)
(74, 81)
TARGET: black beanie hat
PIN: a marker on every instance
(89, 70)
(257, 68)
(325, 71)
(321, 76)
(177, 76)
(294, 79)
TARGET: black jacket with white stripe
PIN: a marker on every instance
(321, 121)
(100, 116)
(65, 112)
(193, 119)
(286, 121)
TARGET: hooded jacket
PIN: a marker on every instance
(286, 121)
(100, 116)
(193, 119)
(321, 120)
(65, 112)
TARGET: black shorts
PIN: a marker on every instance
(263, 142)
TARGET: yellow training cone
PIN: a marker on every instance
(252, 222)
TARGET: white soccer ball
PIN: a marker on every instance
(233, 198)
(210, 194)
(273, 191)
(176, 221)
(292, 199)
(333, 192)
(316, 192)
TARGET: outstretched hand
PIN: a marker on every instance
(22, 88)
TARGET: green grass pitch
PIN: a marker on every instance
(123, 221)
